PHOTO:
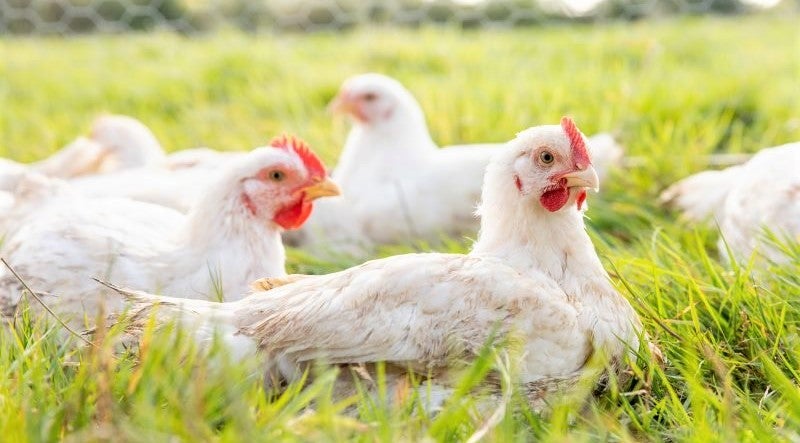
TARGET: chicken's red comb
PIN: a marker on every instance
(579, 152)
(299, 147)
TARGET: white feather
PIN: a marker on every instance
(763, 193)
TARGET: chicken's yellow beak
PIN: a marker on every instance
(585, 178)
(341, 104)
(322, 188)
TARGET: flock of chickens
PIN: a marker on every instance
(204, 226)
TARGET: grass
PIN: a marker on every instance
(672, 90)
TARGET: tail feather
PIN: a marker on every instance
(205, 320)
(702, 195)
(129, 294)
(143, 307)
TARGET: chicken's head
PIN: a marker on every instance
(281, 182)
(552, 165)
(375, 99)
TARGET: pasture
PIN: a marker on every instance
(673, 91)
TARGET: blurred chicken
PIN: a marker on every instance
(187, 172)
(397, 185)
(132, 143)
(746, 199)
(230, 237)
(115, 143)
(141, 171)
(532, 276)
(138, 146)
(82, 156)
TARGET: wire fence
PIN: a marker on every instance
(68, 17)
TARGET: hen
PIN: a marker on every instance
(132, 143)
(230, 237)
(186, 171)
(397, 185)
(745, 199)
(533, 275)
(115, 143)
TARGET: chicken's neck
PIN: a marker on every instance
(224, 234)
(383, 150)
(534, 241)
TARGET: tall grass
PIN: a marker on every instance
(673, 91)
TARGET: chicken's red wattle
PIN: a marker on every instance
(292, 217)
(581, 199)
(554, 199)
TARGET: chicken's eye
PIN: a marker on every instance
(370, 96)
(546, 157)
(276, 176)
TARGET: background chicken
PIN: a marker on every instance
(744, 200)
(137, 169)
(131, 141)
(230, 237)
(114, 143)
(533, 274)
(82, 156)
(397, 185)
(186, 172)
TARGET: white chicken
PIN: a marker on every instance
(187, 172)
(114, 143)
(82, 156)
(397, 185)
(230, 237)
(533, 274)
(746, 199)
(135, 145)
(132, 143)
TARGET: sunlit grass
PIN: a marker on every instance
(673, 91)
